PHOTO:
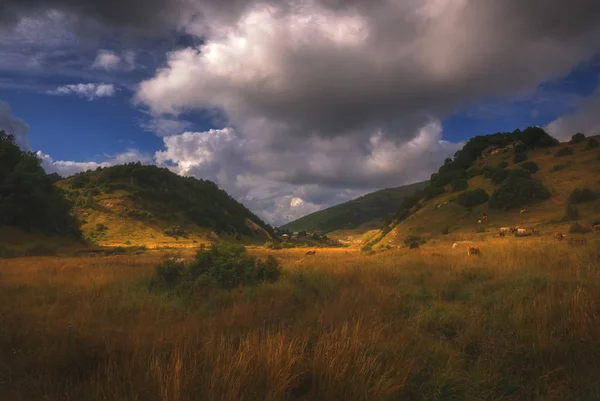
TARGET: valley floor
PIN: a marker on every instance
(520, 322)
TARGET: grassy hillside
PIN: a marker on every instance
(562, 169)
(146, 205)
(364, 213)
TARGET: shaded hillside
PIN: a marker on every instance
(544, 178)
(28, 199)
(368, 211)
(151, 205)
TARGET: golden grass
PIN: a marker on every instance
(521, 322)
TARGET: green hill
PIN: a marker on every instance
(367, 212)
(556, 183)
(152, 206)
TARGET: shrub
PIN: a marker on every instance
(459, 185)
(168, 273)
(571, 212)
(502, 164)
(517, 190)
(530, 166)
(566, 151)
(175, 231)
(472, 198)
(499, 176)
(445, 230)
(520, 157)
(414, 239)
(231, 266)
(100, 227)
(269, 245)
(480, 229)
(582, 195)
(592, 143)
(367, 247)
(577, 228)
(288, 245)
(577, 138)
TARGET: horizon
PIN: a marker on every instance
(290, 121)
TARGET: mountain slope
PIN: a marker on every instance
(367, 212)
(559, 172)
(152, 206)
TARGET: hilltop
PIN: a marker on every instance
(555, 184)
(133, 204)
(356, 216)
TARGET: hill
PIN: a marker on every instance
(360, 215)
(555, 183)
(133, 204)
(28, 199)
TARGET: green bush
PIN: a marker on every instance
(519, 189)
(288, 245)
(480, 229)
(592, 143)
(520, 157)
(472, 198)
(559, 167)
(530, 166)
(445, 230)
(582, 195)
(175, 231)
(502, 164)
(577, 138)
(168, 273)
(432, 192)
(571, 212)
(231, 266)
(566, 151)
(414, 239)
(7, 252)
(577, 228)
(499, 176)
(268, 245)
(459, 185)
(367, 247)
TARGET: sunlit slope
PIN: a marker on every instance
(356, 216)
(560, 175)
(145, 205)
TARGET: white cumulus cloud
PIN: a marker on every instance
(89, 91)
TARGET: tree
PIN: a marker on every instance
(28, 198)
(472, 198)
(519, 189)
(577, 138)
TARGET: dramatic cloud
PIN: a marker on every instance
(88, 91)
(68, 168)
(13, 125)
(165, 126)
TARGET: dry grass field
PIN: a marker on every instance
(519, 322)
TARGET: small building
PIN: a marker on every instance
(285, 237)
(295, 235)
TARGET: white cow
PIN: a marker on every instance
(455, 245)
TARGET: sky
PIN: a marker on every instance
(291, 106)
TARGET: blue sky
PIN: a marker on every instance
(290, 121)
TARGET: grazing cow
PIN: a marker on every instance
(479, 221)
(311, 252)
(523, 211)
(559, 236)
(522, 232)
(505, 230)
(455, 245)
(536, 231)
(473, 250)
(414, 245)
(596, 227)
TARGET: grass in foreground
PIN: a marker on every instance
(519, 323)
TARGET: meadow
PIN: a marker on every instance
(520, 322)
